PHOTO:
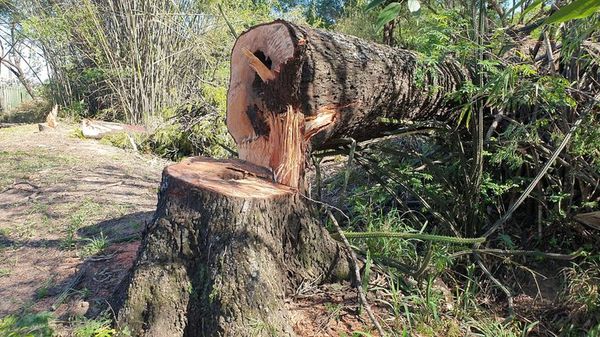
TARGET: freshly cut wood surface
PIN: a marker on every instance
(232, 177)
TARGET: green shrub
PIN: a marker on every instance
(32, 111)
(192, 129)
(122, 140)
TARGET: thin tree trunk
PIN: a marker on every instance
(15, 68)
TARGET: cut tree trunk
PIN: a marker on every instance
(225, 247)
(292, 87)
(230, 238)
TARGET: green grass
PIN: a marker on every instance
(94, 246)
(43, 290)
(582, 289)
(83, 215)
(44, 324)
(98, 327)
(334, 310)
(27, 325)
(20, 165)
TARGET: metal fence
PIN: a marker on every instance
(11, 95)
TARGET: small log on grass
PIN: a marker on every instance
(96, 129)
(230, 238)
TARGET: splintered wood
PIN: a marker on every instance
(283, 150)
(261, 69)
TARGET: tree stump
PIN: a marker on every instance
(224, 248)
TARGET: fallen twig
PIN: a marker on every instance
(67, 288)
(556, 256)
(509, 298)
(418, 236)
(359, 289)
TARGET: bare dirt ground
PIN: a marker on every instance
(71, 215)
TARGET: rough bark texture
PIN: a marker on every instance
(224, 247)
(317, 70)
(353, 88)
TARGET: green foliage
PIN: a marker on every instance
(586, 141)
(32, 111)
(27, 325)
(121, 140)
(389, 13)
(99, 327)
(358, 22)
(318, 13)
(392, 10)
(374, 3)
(427, 184)
(578, 9)
(193, 129)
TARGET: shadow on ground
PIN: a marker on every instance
(87, 291)
(122, 229)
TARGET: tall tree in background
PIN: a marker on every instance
(17, 52)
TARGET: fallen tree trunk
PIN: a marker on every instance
(231, 238)
(293, 87)
(96, 129)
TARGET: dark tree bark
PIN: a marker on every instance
(388, 33)
(225, 246)
(339, 86)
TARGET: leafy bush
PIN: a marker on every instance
(193, 129)
(32, 111)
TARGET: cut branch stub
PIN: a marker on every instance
(293, 88)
